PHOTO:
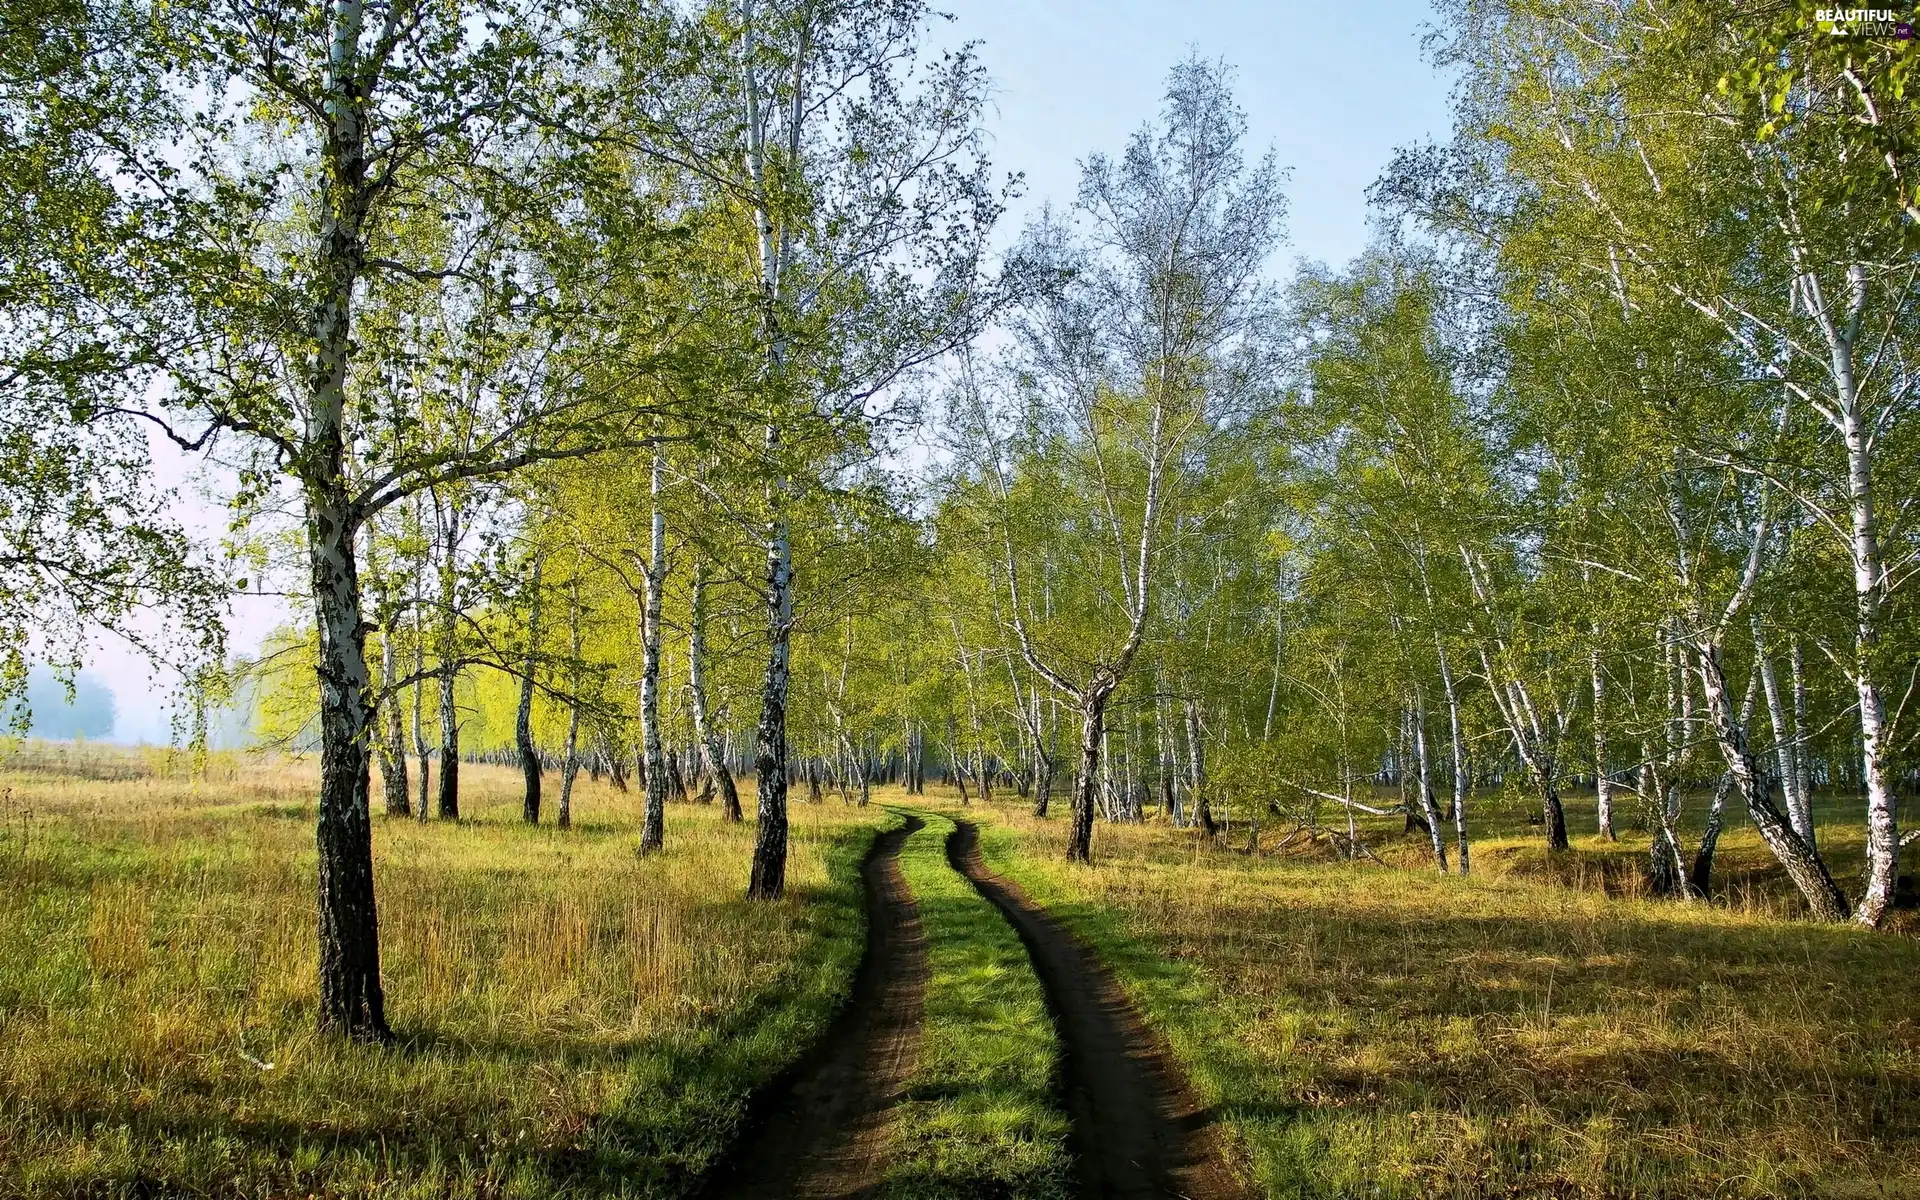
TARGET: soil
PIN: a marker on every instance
(1137, 1130)
(820, 1131)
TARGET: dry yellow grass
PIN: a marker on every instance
(1380, 1031)
(577, 1021)
(572, 1019)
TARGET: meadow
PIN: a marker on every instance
(571, 1019)
(1536, 1029)
(574, 1020)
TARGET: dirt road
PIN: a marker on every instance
(821, 1135)
(1137, 1131)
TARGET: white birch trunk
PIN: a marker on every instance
(653, 829)
(1854, 424)
(1883, 835)
(710, 749)
(351, 998)
(448, 805)
(1602, 784)
(1427, 805)
(421, 750)
(768, 880)
(523, 715)
(1802, 761)
(1804, 865)
(571, 767)
(1461, 778)
(1799, 812)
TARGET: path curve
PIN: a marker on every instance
(1137, 1130)
(821, 1132)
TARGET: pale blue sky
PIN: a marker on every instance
(1333, 88)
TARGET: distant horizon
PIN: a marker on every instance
(55, 718)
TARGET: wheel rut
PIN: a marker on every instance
(820, 1132)
(1137, 1130)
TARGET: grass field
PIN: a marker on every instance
(1380, 1031)
(980, 1117)
(572, 1020)
(576, 1021)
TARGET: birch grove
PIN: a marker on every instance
(659, 391)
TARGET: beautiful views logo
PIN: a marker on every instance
(1864, 22)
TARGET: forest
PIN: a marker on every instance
(798, 683)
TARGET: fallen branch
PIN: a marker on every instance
(1355, 804)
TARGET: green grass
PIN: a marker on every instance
(576, 1021)
(980, 1117)
(1381, 1031)
(572, 1020)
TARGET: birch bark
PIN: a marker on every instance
(1461, 778)
(1702, 875)
(653, 828)
(710, 749)
(1427, 806)
(769, 875)
(523, 715)
(570, 767)
(351, 999)
(450, 530)
(393, 745)
(1602, 782)
(422, 751)
(1803, 762)
(1804, 866)
(1799, 812)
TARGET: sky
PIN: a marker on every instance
(1332, 88)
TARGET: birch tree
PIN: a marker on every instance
(317, 131)
(1155, 336)
(1585, 131)
(846, 159)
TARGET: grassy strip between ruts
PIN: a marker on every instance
(980, 1116)
(572, 1020)
(1375, 1032)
